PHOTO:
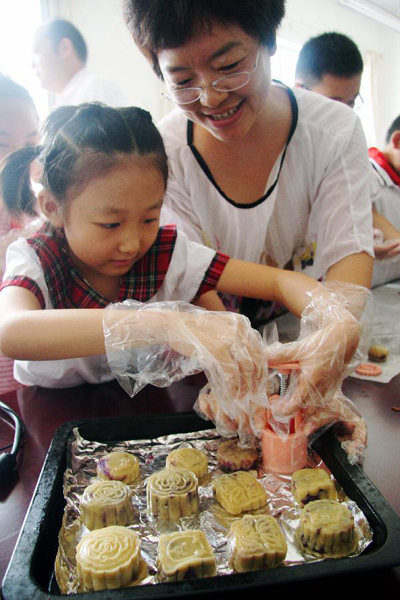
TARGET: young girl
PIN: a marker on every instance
(19, 125)
(104, 177)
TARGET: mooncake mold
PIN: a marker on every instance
(239, 492)
(172, 494)
(106, 503)
(231, 457)
(188, 458)
(108, 558)
(312, 484)
(120, 466)
(327, 530)
(256, 542)
(185, 555)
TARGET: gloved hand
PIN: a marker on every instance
(162, 342)
(334, 336)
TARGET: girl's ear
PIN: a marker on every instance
(50, 208)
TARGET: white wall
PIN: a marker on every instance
(113, 53)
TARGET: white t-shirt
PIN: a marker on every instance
(387, 203)
(86, 86)
(188, 270)
(318, 212)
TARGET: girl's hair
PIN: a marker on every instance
(81, 143)
(11, 89)
(159, 24)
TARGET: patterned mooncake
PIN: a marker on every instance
(239, 492)
(256, 542)
(185, 555)
(108, 558)
(106, 503)
(172, 494)
(312, 484)
(327, 529)
(121, 466)
(231, 457)
(188, 458)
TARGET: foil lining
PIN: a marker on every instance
(212, 518)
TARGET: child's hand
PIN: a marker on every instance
(139, 343)
(387, 249)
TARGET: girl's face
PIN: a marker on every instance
(114, 221)
(18, 125)
(208, 56)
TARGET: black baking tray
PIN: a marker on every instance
(30, 574)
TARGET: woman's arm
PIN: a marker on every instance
(267, 283)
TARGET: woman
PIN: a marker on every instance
(259, 171)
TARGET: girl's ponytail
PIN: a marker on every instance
(15, 182)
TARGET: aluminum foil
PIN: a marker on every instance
(212, 518)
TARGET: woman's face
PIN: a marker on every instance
(210, 55)
(18, 125)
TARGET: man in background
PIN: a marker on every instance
(59, 59)
(331, 65)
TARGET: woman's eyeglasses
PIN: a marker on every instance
(228, 83)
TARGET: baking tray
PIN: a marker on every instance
(30, 574)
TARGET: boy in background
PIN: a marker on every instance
(331, 65)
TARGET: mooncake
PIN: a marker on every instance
(108, 558)
(231, 457)
(327, 529)
(239, 492)
(172, 494)
(105, 503)
(121, 466)
(185, 555)
(312, 484)
(188, 458)
(256, 542)
(378, 353)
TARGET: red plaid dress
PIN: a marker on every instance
(173, 269)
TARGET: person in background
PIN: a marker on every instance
(331, 64)
(386, 169)
(19, 128)
(256, 167)
(59, 58)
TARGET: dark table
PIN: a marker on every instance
(44, 410)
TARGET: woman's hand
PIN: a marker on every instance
(387, 249)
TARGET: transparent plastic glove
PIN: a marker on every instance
(387, 249)
(351, 428)
(163, 342)
(334, 337)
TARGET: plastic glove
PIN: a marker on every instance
(162, 342)
(334, 336)
(352, 430)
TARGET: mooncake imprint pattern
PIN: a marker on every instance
(106, 503)
(188, 458)
(256, 542)
(184, 555)
(239, 492)
(121, 466)
(108, 558)
(172, 494)
(312, 484)
(327, 530)
(231, 457)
